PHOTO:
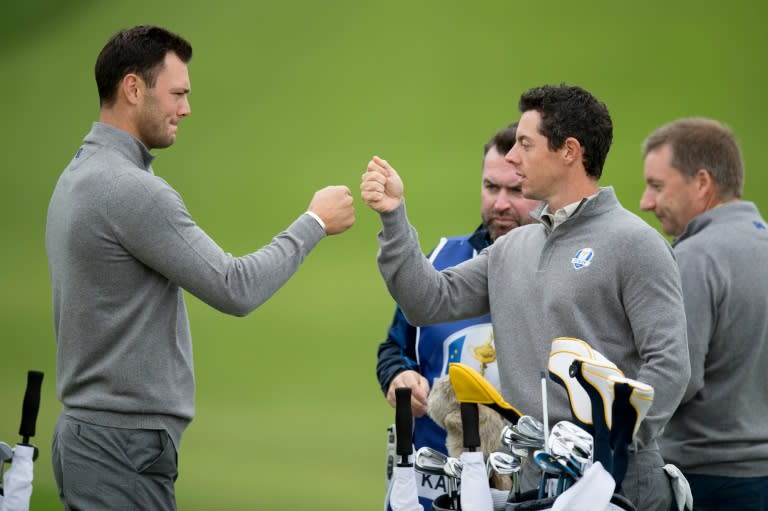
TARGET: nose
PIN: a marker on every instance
(503, 201)
(185, 108)
(512, 156)
(647, 200)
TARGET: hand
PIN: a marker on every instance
(419, 389)
(381, 188)
(333, 204)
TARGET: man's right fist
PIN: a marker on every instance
(381, 188)
(333, 204)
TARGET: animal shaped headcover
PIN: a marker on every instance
(443, 408)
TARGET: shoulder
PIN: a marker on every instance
(628, 226)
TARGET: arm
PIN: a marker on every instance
(654, 305)
(397, 366)
(425, 295)
(697, 274)
(152, 223)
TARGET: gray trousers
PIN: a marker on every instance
(100, 467)
(646, 483)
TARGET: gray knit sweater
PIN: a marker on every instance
(121, 246)
(721, 428)
(626, 302)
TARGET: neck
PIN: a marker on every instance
(713, 200)
(572, 194)
(114, 117)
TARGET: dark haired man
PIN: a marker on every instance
(718, 436)
(587, 269)
(415, 357)
(121, 247)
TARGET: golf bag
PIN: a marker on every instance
(16, 482)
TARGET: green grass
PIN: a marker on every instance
(287, 98)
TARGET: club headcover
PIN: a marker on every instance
(640, 397)
(471, 387)
(594, 377)
(562, 353)
(631, 402)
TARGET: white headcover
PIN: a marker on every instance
(17, 480)
(562, 353)
(475, 491)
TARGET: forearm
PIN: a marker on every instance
(166, 239)
(238, 285)
(660, 336)
(425, 295)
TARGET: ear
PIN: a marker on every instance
(132, 88)
(572, 151)
(704, 184)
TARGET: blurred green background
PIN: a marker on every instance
(289, 97)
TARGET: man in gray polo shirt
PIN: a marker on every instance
(719, 436)
(121, 247)
(588, 268)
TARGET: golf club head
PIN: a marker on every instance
(504, 463)
(6, 453)
(530, 427)
(547, 462)
(430, 461)
(452, 467)
(512, 438)
(568, 439)
(561, 355)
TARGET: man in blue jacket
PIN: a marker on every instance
(415, 356)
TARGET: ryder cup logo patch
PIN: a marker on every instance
(582, 259)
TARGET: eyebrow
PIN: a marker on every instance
(517, 187)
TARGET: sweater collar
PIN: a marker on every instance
(605, 200)
(122, 141)
(728, 209)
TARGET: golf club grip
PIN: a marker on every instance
(403, 421)
(31, 404)
(470, 423)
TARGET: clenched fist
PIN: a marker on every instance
(381, 188)
(419, 389)
(333, 204)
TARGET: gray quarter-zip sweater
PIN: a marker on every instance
(603, 276)
(721, 427)
(121, 247)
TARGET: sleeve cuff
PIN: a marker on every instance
(319, 220)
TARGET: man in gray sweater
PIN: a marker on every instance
(719, 436)
(121, 247)
(587, 269)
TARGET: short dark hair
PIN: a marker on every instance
(502, 140)
(141, 50)
(699, 143)
(570, 111)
